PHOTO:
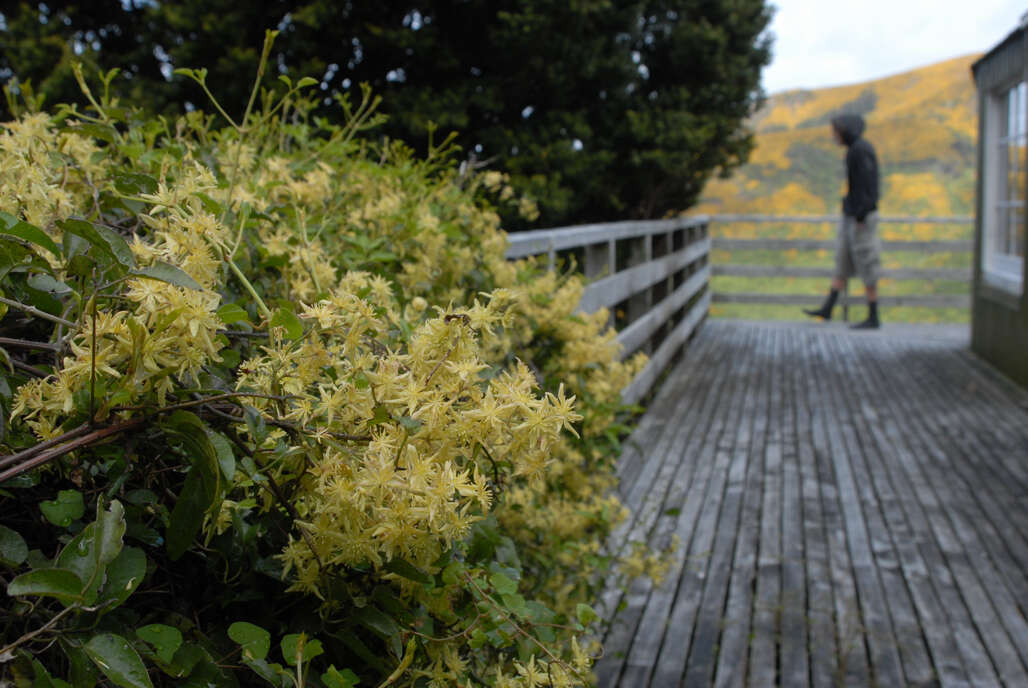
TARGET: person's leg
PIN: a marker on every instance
(825, 311)
(843, 269)
(871, 322)
(868, 261)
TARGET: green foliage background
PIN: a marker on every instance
(598, 109)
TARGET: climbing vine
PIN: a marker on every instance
(276, 408)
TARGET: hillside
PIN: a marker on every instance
(921, 122)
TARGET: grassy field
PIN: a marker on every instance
(816, 287)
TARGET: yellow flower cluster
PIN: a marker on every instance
(433, 383)
(46, 176)
(170, 333)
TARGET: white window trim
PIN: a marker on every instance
(999, 270)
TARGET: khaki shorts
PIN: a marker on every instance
(859, 249)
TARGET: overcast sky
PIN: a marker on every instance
(824, 43)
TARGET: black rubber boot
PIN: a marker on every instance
(872, 322)
(825, 311)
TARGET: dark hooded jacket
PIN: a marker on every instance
(861, 168)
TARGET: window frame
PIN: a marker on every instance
(1002, 269)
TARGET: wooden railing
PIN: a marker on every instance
(782, 269)
(652, 275)
(655, 276)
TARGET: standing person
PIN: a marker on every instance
(857, 252)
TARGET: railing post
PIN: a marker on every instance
(600, 260)
(597, 260)
(641, 252)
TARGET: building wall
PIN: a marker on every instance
(999, 320)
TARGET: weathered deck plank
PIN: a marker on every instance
(732, 667)
(697, 525)
(851, 510)
(877, 498)
(665, 447)
(766, 603)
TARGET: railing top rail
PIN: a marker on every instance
(931, 246)
(564, 238)
(820, 219)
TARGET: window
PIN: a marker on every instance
(1006, 187)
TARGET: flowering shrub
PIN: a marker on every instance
(277, 409)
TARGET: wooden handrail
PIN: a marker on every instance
(930, 274)
(938, 246)
(540, 241)
(822, 219)
(656, 269)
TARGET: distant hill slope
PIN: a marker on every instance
(923, 124)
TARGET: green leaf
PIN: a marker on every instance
(89, 552)
(187, 516)
(233, 313)
(170, 274)
(140, 497)
(134, 183)
(382, 415)
(13, 550)
(199, 75)
(43, 679)
(207, 674)
(166, 640)
(209, 204)
(412, 425)
(255, 640)
(82, 672)
(306, 81)
(109, 531)
(586, 614)
(66, 508)
(333, 678)
(404, 568)
(354, 643)
(124, 575)
(47, 283)
(375, 619)
(516, 604)
(503, 584)
(485, 537)
(297, 648)
(223, 450)
(63, 585)
(30, 233)
(104, 132)
(106, 240)
(204, 486)
(452, 573)
(14, 254)
(118, 661)
(287, 319)
(187, 657)
(272, 672)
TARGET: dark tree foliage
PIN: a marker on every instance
(599, 109)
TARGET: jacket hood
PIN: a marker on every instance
(850, 127)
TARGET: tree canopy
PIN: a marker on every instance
(598, 109)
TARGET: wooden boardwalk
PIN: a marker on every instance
(852, 510)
